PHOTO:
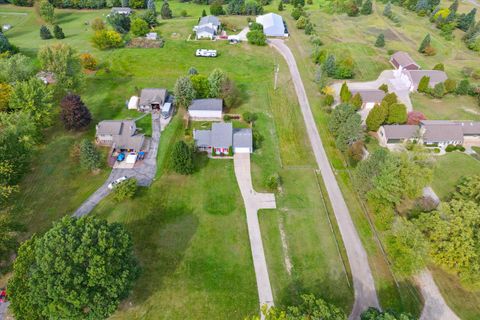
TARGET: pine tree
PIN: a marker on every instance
(345, 94)
(376, 117)
(330, 65)
(45, 33)
(466, 20)
(204, 13)
(4, 43)
(422, 6)
(380, 43)
(58, 32)
(366, 8)
(356, 101)
(425, 43)
(166, 12)
(423, 84)
(280, 6)
(151, 6)
(387, 12)
(454, 6)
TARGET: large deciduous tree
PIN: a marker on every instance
(64, 62)
(79, 269)
(74, 114)
(35, 98)
(200, 85)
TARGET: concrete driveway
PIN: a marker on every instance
(253, 202)
(3, 310)
(144, 173)
(365, 294)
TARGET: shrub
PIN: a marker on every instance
(182, 158)
(166, 12)
(436, 150)
(397, 114)
(249, 117)
(439, 66)
(345, 94)
(356, 101)
(89, 156)
(273, 181)
(330, 65)
(97, 24)
(450, 85)
(125, 190)
(329, 100)
(150, 18)
(74, 113)
(301, 23)
(183, 13)
(5, 45)
(47, 11)
(88, 61)
(297, 13)
(119, 22)
(463, 87)
(314, 40)
(460, 148)
(380, 42)
(107, 39)
(58, 32)
(216, 8)
(344, 69)
(390, 99)
(430, 51)
(352, 9)
(384, 87)
(414, 117)
(45, 33)
(356, 151)
(376, 117)
(139, 27)
(423, 85)
(257, 37)
(309, 28)
(450, 148)
(439, 90)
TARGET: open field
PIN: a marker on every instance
(450, 168)
(448, 108)
(190, 232)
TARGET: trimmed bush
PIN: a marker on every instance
(125, 190)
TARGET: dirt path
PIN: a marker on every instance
(365, 293)
(253, 202)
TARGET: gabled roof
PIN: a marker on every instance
(402, 131)
(371, 95)
(221, 136)
(152, 95)
(242, 138)
(470, 127)
(206, 29)
(129, 142)
(206, 105)
(272, 24)
(441, 131)
(116, 127)
(403, 59)
(436, 76)
(209, 19)
(202, 138)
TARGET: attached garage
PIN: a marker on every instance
(242, 141)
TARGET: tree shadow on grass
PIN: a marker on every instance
(161, 239)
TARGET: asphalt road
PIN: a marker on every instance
(253, 202)
(364, 286)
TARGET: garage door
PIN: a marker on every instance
(242, 150)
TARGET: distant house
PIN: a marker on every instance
(121, 10)
(206, 109)
(414, 77)
(207, 27)
(223, 139)
(273, 25)
(152, 99)
(369, 96)
(395, 134)
(47, 77)
(402, 60)
(120, 134)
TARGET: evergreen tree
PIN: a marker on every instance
(89, 155)
(330, 65)
(439, 66)
(356, 101)
(422, 6)
(439, 90)
(397, 114)
(366, 8)
(4, 43)
(466, 20)
(166, 12)
(182, 158)
(423, 85)
(380, 42)
(345, 94)
(425, 43)
(204, 13)
(376, 117)
(387, 12)
(151, 6)
(58, 32)
(45, 33)
(280, 6)
(454, 6)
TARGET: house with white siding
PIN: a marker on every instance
(206, 109)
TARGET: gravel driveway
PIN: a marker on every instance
(365, 294)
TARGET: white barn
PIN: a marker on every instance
(273, 25)
(206, 109)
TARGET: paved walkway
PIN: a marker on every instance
(365, 294)
(435, 307)
(253, 202)
(3, 310)
(144, 173)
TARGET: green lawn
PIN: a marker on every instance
(189, 232)
(450, 168)
(145, 125)
(449, 107)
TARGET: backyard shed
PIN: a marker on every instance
(206, 109)
(133, 103)
(273, 25)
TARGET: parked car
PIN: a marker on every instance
(3, 295)
(121, 157)
(206, 53)
(114, 183)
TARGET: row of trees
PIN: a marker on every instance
(87, 4)
(198, 86)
